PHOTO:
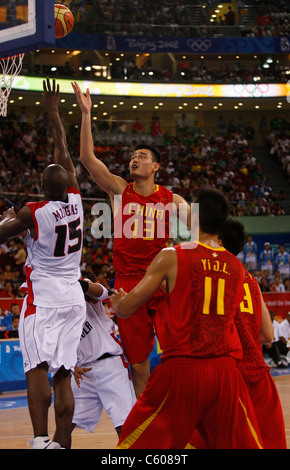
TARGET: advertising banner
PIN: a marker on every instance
(279, 303)
(147, 44)
(161, 90)
(12, 375)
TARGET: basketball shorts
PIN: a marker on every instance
(267, 405)
(50, 335)
(138, 332)
(184, 394)
(106, 386)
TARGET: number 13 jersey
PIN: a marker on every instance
(52, 267)
(142, 228)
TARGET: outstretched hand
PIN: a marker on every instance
(50, 95)
(116, 297)
(79, 372)
(84, 101)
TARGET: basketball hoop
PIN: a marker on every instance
(11, 66)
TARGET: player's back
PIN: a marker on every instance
(54, 254)
(248, 323)
(202, 305)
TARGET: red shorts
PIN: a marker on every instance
(268, 411)
(138, 332)
(185, 394)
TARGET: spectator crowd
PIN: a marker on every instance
(177, 18)
(279, 147)
(270, 267)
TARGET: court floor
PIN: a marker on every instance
(16, 430)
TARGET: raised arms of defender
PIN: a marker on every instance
(61, 153)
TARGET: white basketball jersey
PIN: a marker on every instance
(98, 335)
(53, 257)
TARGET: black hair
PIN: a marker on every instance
(233, 236)
(153, 150)
(213, 210)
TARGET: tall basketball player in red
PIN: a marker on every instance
(141, 231)
(198, 385)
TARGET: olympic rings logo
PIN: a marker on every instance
(199, 44)
(251, 89)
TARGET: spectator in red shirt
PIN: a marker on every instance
(137, 126)
(8, 291)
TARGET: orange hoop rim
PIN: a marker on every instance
(12, 56)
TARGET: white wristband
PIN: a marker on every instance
(105, 293)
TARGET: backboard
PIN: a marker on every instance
(26, 25)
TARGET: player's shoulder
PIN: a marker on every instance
(127, 188)
(73, 190)
(34, 206)
(165, 255)
(249, 277)
(162, 190)
(168, 250)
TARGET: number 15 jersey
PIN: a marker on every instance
(52, 267)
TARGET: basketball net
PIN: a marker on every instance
(11, 67)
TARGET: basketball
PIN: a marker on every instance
(63, 19)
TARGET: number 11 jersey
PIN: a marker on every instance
(52, 267)
(203, 303)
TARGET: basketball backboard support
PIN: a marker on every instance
(26, 25)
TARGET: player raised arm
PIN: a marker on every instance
(162, 268)
(108, 182)
(61, 153)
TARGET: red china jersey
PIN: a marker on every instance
(141, 228)
(202, 305)
(248, 323)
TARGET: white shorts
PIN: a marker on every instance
(269, 268)
(50, 335)
(107, 386)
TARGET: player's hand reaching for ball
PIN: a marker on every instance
(84, 101)
(50, 95)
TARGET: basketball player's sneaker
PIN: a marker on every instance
(43, 442)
